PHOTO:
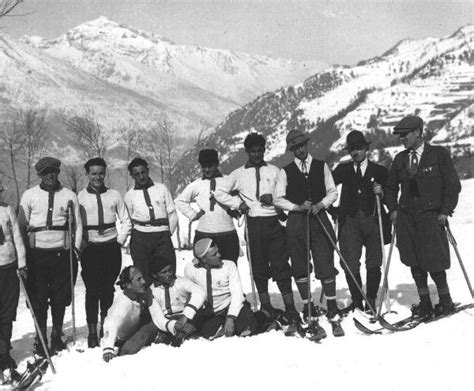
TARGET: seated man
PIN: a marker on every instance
(128, 326)
(178, 299)
(225, 304)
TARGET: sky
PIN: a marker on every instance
(336, 32)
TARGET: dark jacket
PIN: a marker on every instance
(345, 174)
(437, 181)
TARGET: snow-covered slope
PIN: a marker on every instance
(432, 77)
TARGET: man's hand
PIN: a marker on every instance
(244, 208)
(305, 206)
(178, 339)
(378, 189)
(23, 271)
(198, 215)
(229, 327)
(316, 208)
(393, 217)
(108, 354)
(266, 199)
(180, 322)
(442, 219)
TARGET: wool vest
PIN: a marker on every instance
(300, 188)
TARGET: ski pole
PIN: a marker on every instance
(249, 257)
(331, 240)
(385, 276)
(71, 268)
(308, 267)
(384, 258)
(455, 246)
(38, 330)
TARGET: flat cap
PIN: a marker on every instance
(296, 137)
(202, 247)
(47, 162)
(408, 124)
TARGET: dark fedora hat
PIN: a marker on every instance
(356, 140)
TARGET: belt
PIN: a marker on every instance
(99, 227)
(52, 228)
(151, 223)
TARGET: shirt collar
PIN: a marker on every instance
(218, 175)
(250, 165)
(92, 190)
(146, 186)
(363, 164)
(308, 161)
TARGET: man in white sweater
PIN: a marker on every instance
(215, 220)
(154, 219)
(101, 259)
(12, 258)
(44, 213)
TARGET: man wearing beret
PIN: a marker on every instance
(101, 259)
(306, 188)
(154, 219)
(44, 211)
(215, 220)
(362, 180)
(430, 189)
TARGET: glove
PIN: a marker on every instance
(266, 199)
(180, 323)
(23, 272)
(244, 208)
(108, 354)
(178, 339)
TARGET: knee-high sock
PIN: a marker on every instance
(286, 292)
(329, 288)
(441, 282)
(302, 284)
(421, 281)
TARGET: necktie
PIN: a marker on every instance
(257, 177)
(212, 200)
(151, 211)
(100, 211)
(359, 172)
(168, 300)
(304, 168)
(210, 300)
(413, 163)
(49, 216)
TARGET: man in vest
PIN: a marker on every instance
(361, 180)
(101, 259)
(215, 220)
(44, 213)
(255, 183)
(154, 219)
(306, 184)
(430, 188)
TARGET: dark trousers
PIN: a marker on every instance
(101, 264)
(144, 336)
(227, 243)
(209, 324)
(150, 248)
(9, 295)
(49, 282)
(421, 241)
(356, 232)
(268, 251)
(321, 249)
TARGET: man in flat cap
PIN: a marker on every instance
(215, 220)
(306, 188)
(430, 188)
(362, 180)
(101, 259)
(154, 219)
(44, 213)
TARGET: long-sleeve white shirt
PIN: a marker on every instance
(244, 180)
(227, 289)
(215, 221)
(185, 296)
(34, 212)
(113, 208)
(279, 195)
(162, 204)
(12, 249)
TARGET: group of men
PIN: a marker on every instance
(155, 305)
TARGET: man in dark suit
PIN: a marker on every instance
(429, 193)
(358, 225)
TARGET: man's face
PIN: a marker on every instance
(255, 154)
(96, 176)
(49, 176)
(209, 170)
(166, 276)
(212, 258)
(137, 283)
(411, 139)
(359, 153)
(140, 175)
(301, 150)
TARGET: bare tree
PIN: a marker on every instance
(74, 177)
(7, 6)
(132, 145)
(89, 136)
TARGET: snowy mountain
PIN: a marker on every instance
(433, 77)
(197, 83)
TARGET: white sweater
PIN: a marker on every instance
(199, 191)
(12, 249)
(227, 289)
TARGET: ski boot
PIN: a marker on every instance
(335, 319)
(423, 310)
(445, 306)
(370, 304)
(38, 348)
(33, 373)
(316, 312)
(57, 344)
(294, 321)
(92, 338)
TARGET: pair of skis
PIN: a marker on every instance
(408, 323)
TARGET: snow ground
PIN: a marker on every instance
(431, 357)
